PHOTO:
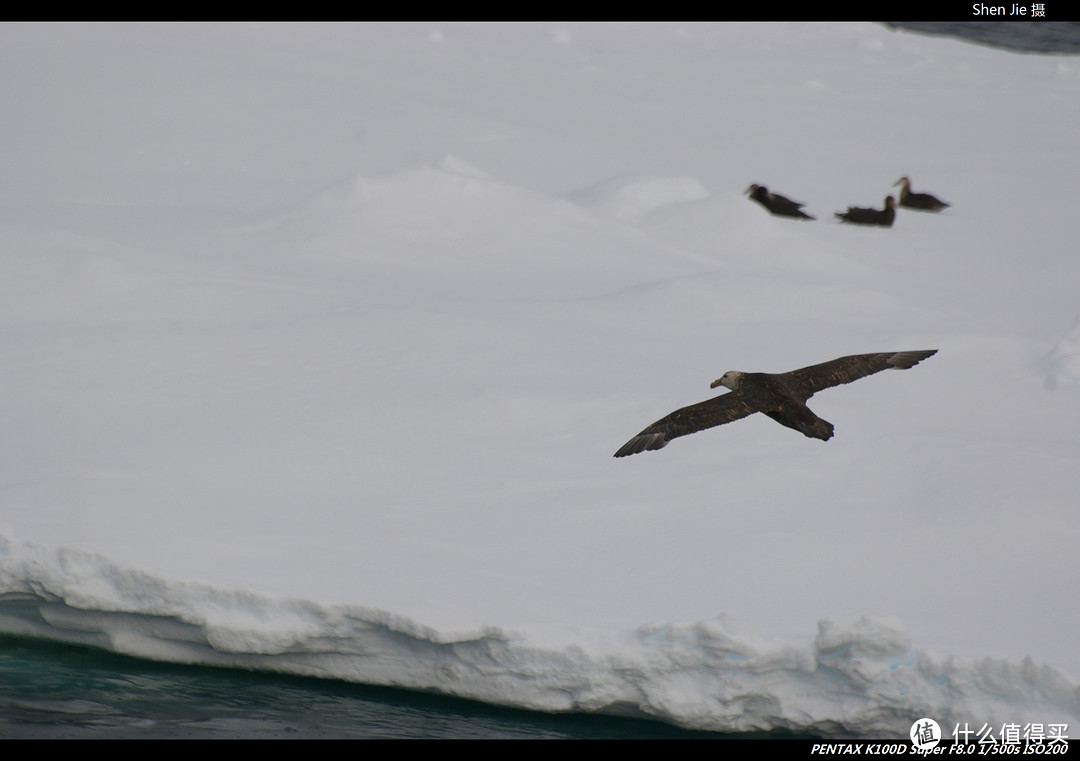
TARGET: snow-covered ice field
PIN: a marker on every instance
(316, 342)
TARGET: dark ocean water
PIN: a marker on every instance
(1054, 37)
(53, 691)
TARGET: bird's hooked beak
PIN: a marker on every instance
(733, 380)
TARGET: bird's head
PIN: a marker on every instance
(731, 379)
(752, 188)
(904, 181)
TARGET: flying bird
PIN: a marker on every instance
(781, 396)
(920, 201)
(860, 216)
(776, 204)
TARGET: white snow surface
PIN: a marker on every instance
(317, 341)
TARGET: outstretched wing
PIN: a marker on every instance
(697, 417)
(807, 381)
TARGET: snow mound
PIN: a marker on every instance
(632, 199)
(1063, 362)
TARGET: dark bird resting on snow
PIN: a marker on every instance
(776, 204)
(781, 396)
(860, 216)
(921, 201)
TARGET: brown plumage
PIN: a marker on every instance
(920, 201)
(776, 204)
(860, 216)
(781, 396)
